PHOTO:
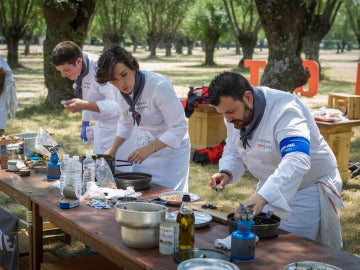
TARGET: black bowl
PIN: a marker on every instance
(263, 227)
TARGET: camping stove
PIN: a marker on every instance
(243, 240)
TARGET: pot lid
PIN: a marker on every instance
(184, 255)
(208, 264)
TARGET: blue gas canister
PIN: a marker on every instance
(243, 240)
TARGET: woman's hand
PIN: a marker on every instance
(140, 154)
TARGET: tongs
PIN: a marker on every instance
(126, 163)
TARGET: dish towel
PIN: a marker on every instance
(225, 243)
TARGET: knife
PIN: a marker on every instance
(217, 190)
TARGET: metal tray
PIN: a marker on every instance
(184, 255)
(304, 265)
(208, 264)
(165, 197)
(201, 219)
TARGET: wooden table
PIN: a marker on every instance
(338, 135)
(98, 229)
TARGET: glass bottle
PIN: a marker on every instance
(186, 220)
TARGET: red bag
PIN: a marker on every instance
(195, 96)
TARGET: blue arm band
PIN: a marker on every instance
(295, 144)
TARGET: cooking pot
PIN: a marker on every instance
(14, 164)
(264, 227)
(140, 181)
(140, 223)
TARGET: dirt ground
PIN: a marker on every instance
(338, 67)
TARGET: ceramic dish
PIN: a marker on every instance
(201, 219)
(175, 197)
(310, 265)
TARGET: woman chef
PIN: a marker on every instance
(148, 101)
(95, 102)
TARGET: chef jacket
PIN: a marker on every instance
(163, 118)
(284, 180)
(8, 99)
(106, 119)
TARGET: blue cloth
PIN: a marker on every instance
(83, 137)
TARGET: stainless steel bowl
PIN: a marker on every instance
(140, 222)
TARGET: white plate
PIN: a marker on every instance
(310, 265)
(201, 219)
(166, 197)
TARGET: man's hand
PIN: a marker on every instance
(220, 180)
(258, 203)
(75, 105)
(83, 131)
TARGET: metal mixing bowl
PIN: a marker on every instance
(140, 223)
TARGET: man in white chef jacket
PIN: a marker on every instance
(94, 101)
(273, 134)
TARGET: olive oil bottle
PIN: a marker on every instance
(186, 220)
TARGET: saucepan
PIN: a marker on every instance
(138, 180)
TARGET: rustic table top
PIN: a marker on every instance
(98, 229)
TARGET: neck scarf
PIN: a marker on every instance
(139, 86)
(84, 72)
(259, 108)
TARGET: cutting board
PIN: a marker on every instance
(219, 214)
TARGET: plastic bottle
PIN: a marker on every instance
(88, 171)
(186, 220)
(78, 177)
(63, 165)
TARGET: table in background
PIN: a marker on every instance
(98, 229)
(338, 135)
(206, 127)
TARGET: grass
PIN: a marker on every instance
(339, 76)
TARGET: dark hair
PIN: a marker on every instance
(66, 52)
(107, 61)
(228, 84)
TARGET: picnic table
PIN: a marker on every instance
(98, 229)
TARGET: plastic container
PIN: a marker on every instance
(29, 142)
(63, 166)
(73, 176)
(88, 171)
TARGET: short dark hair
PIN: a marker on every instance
(229, 84)
(66, 52)
(107, 61)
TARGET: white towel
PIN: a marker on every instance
(225, 243)
(330, 230)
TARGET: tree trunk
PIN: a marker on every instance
(311, 49)
(248, 43)
(209, 52)
(112, 37)
(168, 39)
(134, 40)
(153, 41)
(13, 48)
(285, 24)
(190, 45)
(63, 23)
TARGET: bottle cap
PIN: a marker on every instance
(66, 156)
(186, 198)
(76, 158)
(88, 155)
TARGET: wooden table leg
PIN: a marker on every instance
(37, 236)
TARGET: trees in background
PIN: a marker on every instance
(163, 19)
(320, 24)
(285, 24)
(245, 25)
(207, 20)
(65, 20)
(15, 21)
(353, 11)
(112, 19)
